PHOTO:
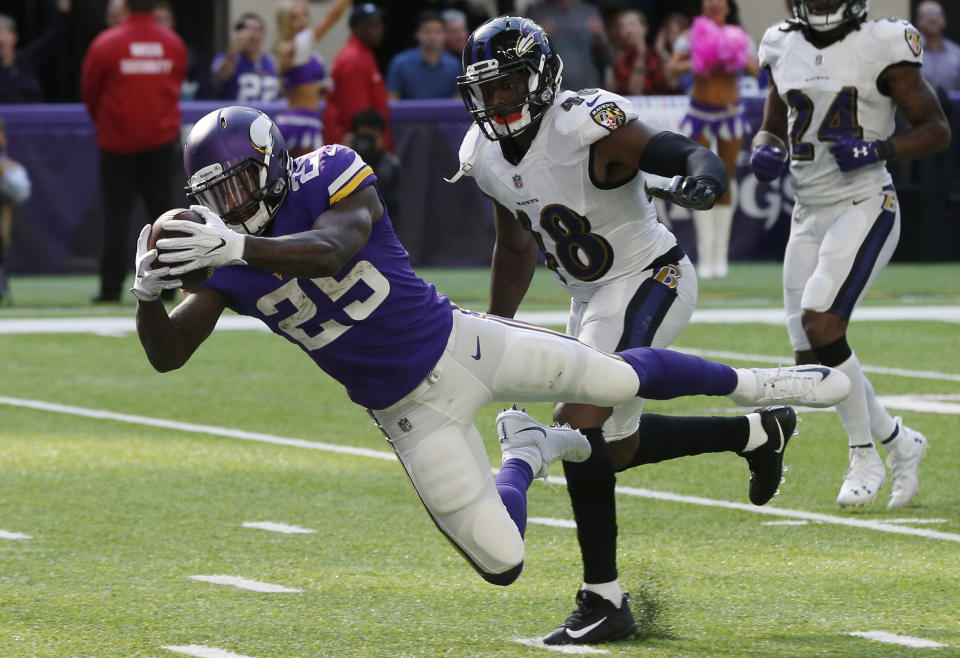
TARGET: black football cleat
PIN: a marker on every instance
(766, 461)
(594, 621)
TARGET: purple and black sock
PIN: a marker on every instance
(665, 374)
(513, 480)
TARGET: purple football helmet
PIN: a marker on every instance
(238, 166)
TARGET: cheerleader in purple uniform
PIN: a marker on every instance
(302, 72)
(717, 51)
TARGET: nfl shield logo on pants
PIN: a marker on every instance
(517, 181)
(404, 424)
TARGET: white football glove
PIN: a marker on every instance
(208, 245)
(149, 283)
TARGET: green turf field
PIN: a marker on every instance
(112, 499)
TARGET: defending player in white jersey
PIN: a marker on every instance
(564, 170)
(836, 81)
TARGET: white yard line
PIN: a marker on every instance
(192, 427)
(879, 526)
(112, 325)
(902, 640)
(4, 534)
(201, 651)
(559, 648)
(278, 527)
(246, 583)
(555, 523)
(915, 521)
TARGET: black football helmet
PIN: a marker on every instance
(509, 52)
(827, 15)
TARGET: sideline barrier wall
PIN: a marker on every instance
(58, 230)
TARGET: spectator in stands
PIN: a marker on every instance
(366, 138)
(195, 85)
(670, 30)
(131, 81)
(576, 30)
(357, 81)
(427, 71)
(941, 56)
(14, 189)
(302, 73)
(638, 69)
(455, 23)
(18, 66)
(245, 72)
(115, 12)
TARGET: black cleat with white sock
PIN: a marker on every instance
(766, 460)
(595, 620)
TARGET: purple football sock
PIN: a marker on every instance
(665, 374)
(513, 480)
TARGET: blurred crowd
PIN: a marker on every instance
(626, 46)
(392, 51)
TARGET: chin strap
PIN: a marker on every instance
(465, 167)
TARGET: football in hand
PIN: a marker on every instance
(193, 278)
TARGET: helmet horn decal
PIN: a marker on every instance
(260, 134)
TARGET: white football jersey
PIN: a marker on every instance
(832, 93)
(589, 234)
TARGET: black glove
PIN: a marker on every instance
(696, 193)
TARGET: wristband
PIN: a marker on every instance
(885, 149)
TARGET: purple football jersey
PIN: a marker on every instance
(251, 81)
(302, 129)
(375, 327)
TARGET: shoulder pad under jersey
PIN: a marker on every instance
(774, 44)
(588, 115)
(891, 41)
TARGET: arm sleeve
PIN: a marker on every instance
(669, 154)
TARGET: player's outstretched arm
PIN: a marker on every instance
(929, 130)
(337, 235)
(700, 177)
(514, 260)
(170, 340)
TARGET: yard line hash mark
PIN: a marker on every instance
(246, 583)
(866, 524)
(277, 527)
(558, 648)
(5, 534)
(893, 638)
(556, 523)
(201, 651)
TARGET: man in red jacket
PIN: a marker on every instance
(131, 85)
(357, 82)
